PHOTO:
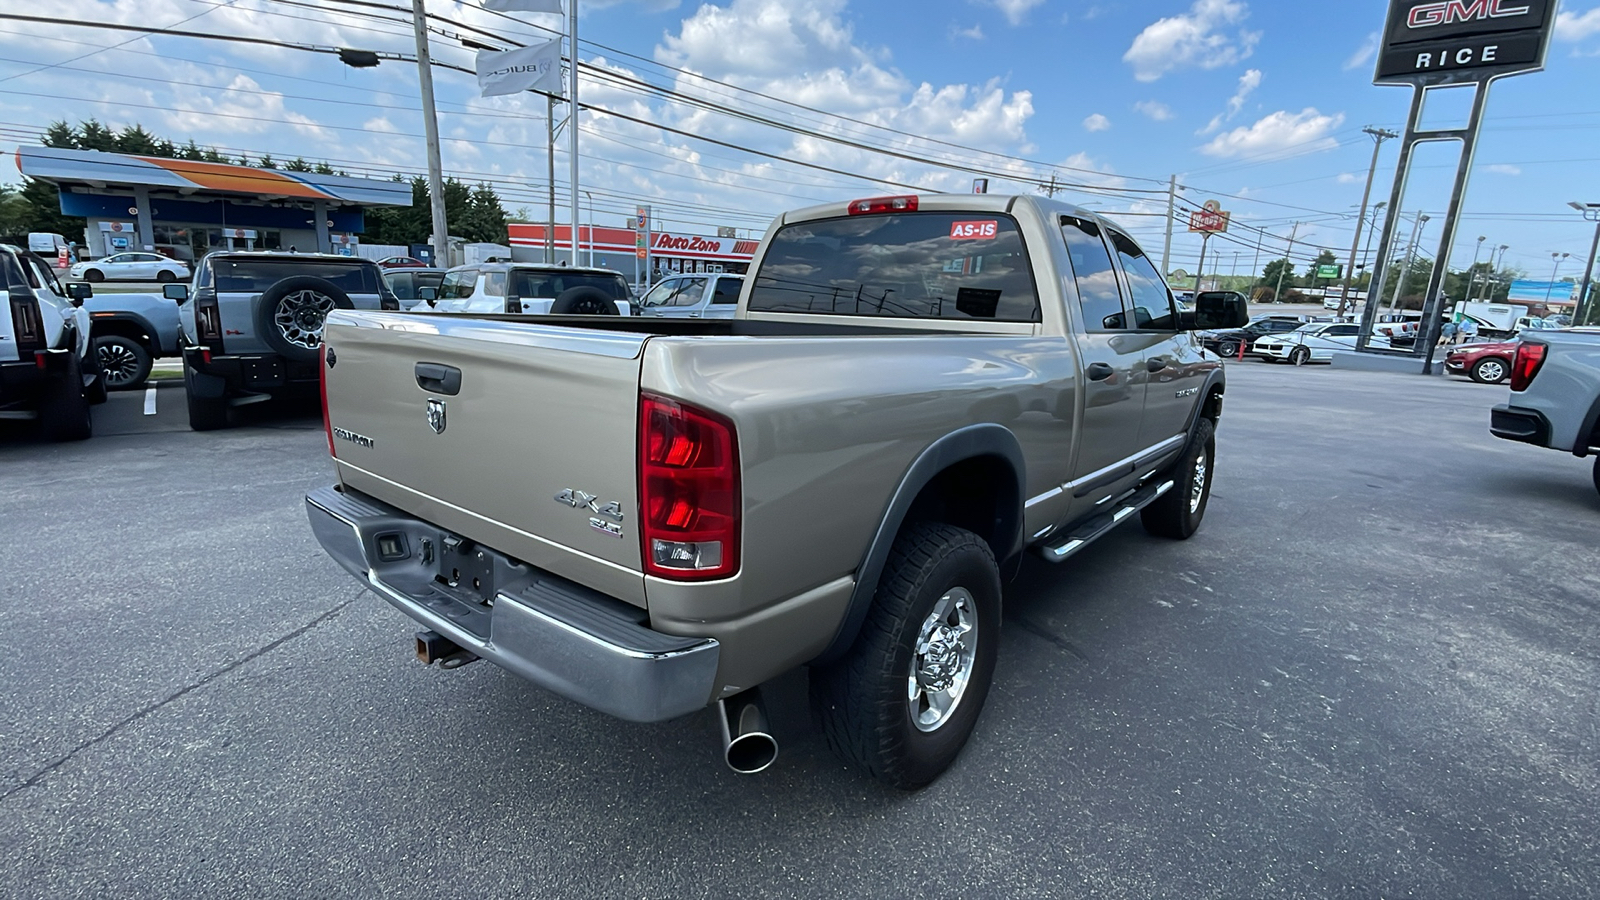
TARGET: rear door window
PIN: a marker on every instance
(245, 275)
(1098, 292)
(922, 265)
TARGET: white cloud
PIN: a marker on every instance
(1097, 122)
(1349, 178)
(1195, 38)
(975, 33)
(1248, 82)
(1155, 109)
(1015, 10)
(1364, 53)
(1503, 169)
(1577, 26)
(1307, 131)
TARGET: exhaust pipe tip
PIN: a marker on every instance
(747, 744)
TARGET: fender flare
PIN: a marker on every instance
(1217, 379)
(957, 446)
(133, 319)
(1587, 428)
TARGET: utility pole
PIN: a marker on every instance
(1166, 247)
(1405, 270)
(1585, 311)
(1200, 273)
(430, 125)
(1288, 258)
(1051, 188)
(1379, 135)
(572, 115)
(1472, 274)
(550, 154)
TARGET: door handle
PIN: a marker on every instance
(694, 315)
(1155, 363)
(439, 379)
(1099, 371)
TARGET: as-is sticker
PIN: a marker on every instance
(974, 231)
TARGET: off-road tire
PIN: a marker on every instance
(1493, 364)
(584, 301)
(1176, 514)
(860, 702)
(205, 413)
(124, 363)
(267, 326)
(64, 413)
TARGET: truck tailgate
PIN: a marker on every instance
(525, 454)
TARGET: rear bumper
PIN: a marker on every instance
(251, 372)
(1529, 426)
(558, 634)
(25, 381)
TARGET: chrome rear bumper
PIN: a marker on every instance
(558, 634)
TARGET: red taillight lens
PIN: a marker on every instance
(689, 500)
(322, 381)
(873, 205)
(1530, 357)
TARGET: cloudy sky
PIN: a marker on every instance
(1257, 105)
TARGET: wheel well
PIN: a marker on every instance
(980, 494)
(1212, 407)
(121, 328)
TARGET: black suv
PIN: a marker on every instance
(253, 323)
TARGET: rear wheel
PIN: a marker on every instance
(64, 409)
(123, 362)
(1177, 514)
(1490, 370)
(903, 702)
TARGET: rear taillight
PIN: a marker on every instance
(322, 380)
(27, 325)
(873, 205)
(208, 320)
(689, 500)
(1530, 356)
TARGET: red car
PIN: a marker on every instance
(403, 262)
(1485, 363)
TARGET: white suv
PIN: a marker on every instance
(47, 371)
(703, 296)
(530, 288)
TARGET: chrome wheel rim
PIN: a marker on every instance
(942, 660)
(300, 316)
(1298, 357)
(118, 365)
(1197, 484)
(1491, 371)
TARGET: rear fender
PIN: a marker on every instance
(971, 443)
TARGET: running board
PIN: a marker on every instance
(1084, 533)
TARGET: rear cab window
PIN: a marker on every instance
(533, 284)
(916, 265)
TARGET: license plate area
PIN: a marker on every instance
(466, 569)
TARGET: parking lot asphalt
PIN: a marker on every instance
(1373, 673)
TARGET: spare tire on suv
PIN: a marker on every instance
(291, 313)
(584, 301)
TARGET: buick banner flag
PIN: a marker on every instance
(535, 68)
(550, 6)
(1460, 41)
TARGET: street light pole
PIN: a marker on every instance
(1499, 259)
(1379, 135)
(1405, 270)
(1591, 212)
(1472, 275)
(1558, 258)
(572, 114)
(430, 127)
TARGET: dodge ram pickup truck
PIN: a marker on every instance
(1555, 393)
(651, 515)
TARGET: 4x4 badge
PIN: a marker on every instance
(436, 415)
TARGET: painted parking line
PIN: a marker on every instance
(150, 400)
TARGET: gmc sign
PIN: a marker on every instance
(1435, 42)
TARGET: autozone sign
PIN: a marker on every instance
(1435, 42)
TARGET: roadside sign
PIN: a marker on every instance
(1210, 220)
(1436, 42)
(1329, 271)
(980, 185)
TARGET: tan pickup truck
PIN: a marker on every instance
(649, 516)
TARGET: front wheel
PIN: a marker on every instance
(1299, 356)
(1597, 473)
(165, 276)
(1228, 350)
(124, 364)
(1178, 512)
(903, 702)
(94, 275)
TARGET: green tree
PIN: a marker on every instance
(485, 218)
(94, 136)
(134, 139)
(44, 199)
(1277, 269)
(60, 134)
(190, 150)
(323, 168)
(16, 213)
(298, 164)
(266, 162)
(1325, 258)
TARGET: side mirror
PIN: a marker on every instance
(79, 291)
(178, 292)
(428, 294)
(1218, 309)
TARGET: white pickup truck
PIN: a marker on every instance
(1555, 394)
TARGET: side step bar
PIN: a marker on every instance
(1084, 533)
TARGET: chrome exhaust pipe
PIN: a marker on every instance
(747, 744)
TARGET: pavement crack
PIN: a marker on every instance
(179, 694)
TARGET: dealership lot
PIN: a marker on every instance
(1372, 673)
